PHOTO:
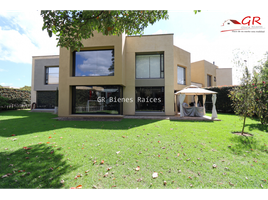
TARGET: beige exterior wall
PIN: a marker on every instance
(152, 43)
(66, 63)
(200, 70)
(125, 49)
(224, 76)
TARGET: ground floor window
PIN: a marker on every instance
(97, 100)
(45, 99)
(150, 99)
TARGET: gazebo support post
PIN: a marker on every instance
(204, 102)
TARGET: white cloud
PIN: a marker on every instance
(160, 31)
(3, 70)
(26, 38)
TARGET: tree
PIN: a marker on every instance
(3, 101)
(260, 83)
(28, 88)
(243, 98)
(71, 26)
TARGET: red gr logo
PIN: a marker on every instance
(247, 20)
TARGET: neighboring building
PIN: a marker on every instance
(45, 80)
(114, 75)
(206, 74)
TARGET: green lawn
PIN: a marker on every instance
(181, 152)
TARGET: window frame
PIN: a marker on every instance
(150, 87)
(184, 75)
(162, 64)
(47, 74)
(120, 104)
(210, 78)
(104, 49)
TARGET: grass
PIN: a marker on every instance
(181, 152)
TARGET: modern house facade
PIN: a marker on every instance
(114, 76)
(45, 80)
(206, 74)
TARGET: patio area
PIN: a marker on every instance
(172, 117)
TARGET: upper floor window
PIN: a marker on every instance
(94, 63)
(150, 65)
(208, 80)
(181, 75)
(52, 75)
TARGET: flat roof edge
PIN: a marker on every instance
(150, 35)
(46, 56)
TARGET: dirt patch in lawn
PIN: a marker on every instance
(245, 134)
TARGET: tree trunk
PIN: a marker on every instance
(244, 125)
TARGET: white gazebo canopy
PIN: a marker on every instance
(195, 90)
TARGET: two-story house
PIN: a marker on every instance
(113, 76)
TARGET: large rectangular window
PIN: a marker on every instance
(150, 65)
(52, 75)
(97, 100)
(181, 75)
(150, 99)
(94, 63)
(45, 99)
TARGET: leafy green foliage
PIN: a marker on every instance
(3, 101)
(260, 83)
(243, 98)
(71, 26)
(15, 97)
(28, 88)
(223, 103)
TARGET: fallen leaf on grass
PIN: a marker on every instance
(214, 166)
(261, 185)
(155, 175)
(51, 152)
(139, 180)
(102, 162)
(117, 152)
(105, 175)
(13, 135)
(49, 137)
(62, 181)
(231, 184)
(137, 168)
(6, 175)
(77, 187)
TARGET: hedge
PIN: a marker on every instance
(16, 98)
(223, 102)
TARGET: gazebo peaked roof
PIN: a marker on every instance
(194, 90)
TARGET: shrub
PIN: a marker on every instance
(223, 103)
(15, 98)
(3, 101)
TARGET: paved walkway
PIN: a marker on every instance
(176, 117)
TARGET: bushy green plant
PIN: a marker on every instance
(3, 101)
(223, 103)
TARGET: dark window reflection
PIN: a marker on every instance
(45, 99)
(150, 99)
(94, 63)
(97, 99)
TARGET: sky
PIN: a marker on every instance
(21, 37)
